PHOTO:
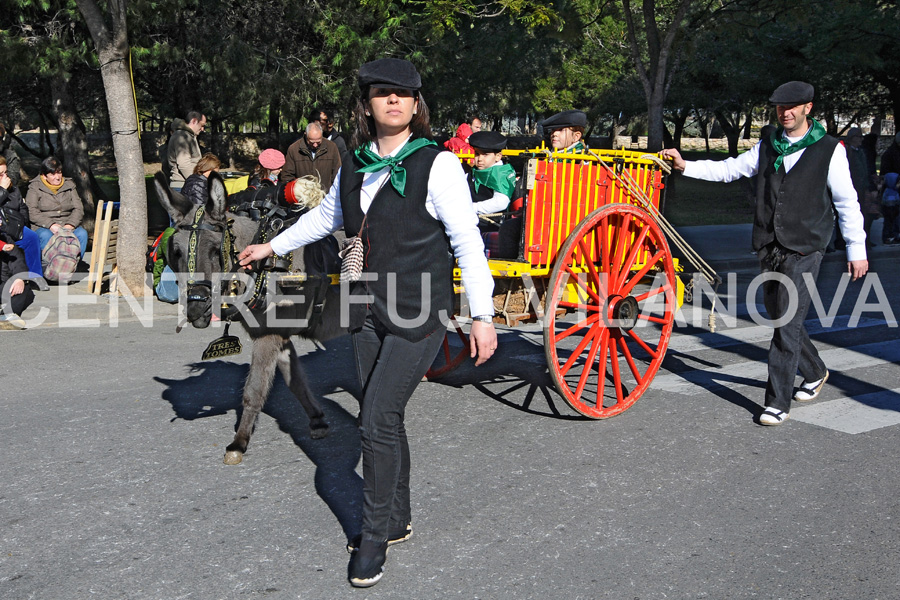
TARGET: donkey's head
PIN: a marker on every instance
(196, 249)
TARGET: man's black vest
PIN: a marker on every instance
(406, 251)
(794, 208)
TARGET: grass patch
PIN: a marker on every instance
(696, 202)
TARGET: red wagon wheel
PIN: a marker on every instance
(449, 356)
(606, 324)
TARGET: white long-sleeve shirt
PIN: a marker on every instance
(843, 194)
(448, 200)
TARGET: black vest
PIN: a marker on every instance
(406, 251)
(483, 193)
(794, 208)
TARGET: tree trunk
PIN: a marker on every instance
(274, 124)
(680, 119)
(732, 128)
(113, 52)
(72, 144)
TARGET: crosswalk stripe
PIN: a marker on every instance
(758, 333)
(750, 373)
(858, 414)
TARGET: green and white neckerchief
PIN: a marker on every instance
(372, 163)
(784, 147)
(500, 178)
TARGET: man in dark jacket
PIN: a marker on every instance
(312, 155)
(325, 118)
(801, 173)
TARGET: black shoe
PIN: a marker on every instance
(395, 537)
(367, 565)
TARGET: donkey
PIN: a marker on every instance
(197, 249)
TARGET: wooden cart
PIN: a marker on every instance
(595, 268)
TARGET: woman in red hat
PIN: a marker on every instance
(410, 206)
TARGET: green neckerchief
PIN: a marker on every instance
(783, 147)
(374, 163)
(500, 178)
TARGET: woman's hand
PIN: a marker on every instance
(55, 227)
(254, 253)
(17, 287)
(7, 247)
(5, 181)
(482, 341)
(69, 227)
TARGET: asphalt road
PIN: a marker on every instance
(113, 484)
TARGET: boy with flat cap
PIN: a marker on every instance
(491, 181)
(801, 172)
(566, 131)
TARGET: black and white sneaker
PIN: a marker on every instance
(367, 564)
(395, 537)
(810, 390)
(773, 416)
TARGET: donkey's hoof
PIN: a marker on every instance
(234, 457)
(318, 429)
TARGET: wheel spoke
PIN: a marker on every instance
(601, 367)
(654, 292)
(617, 377)
(579, 281)
(653, 353)
(630, 360)
(632, 255)
(652, 319)
(590, 307)
(577, 351)
(621, 232)
(644, 270)
(577, 326)
(589, 363)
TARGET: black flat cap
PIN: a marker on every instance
(792, 93)
(390, 72)
(488, 141)
(567, 118)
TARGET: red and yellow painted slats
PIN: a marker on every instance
(566, 191)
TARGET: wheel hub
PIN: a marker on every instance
(624, 312)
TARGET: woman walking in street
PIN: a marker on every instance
(409, 204)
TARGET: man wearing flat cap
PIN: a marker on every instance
(566, 131)
(800, 172)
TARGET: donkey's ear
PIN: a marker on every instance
(217, 203)
(175, 204)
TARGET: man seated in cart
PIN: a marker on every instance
(566, 131)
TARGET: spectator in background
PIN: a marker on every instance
(890, 204)
(195, 188)
(54, 204)
(12, 159)
(268, 168)
(312, 155)
(325, 118)
(459, 144)
(183, 150)
(11, 199)
(475, 124)
(15, 296)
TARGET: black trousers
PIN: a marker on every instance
(19, 302)
(791, 348)
(389, 369)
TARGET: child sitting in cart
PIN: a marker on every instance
(491, 181)
(566, 130)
